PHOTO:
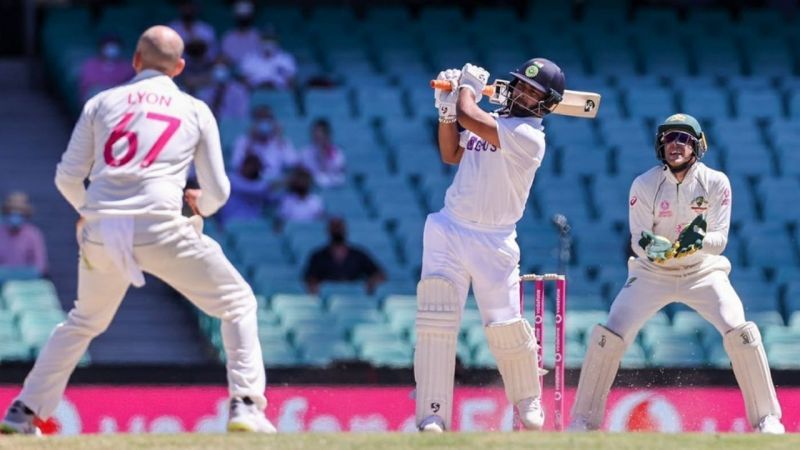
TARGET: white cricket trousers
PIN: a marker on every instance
(486, 257)
(708, 291)
(173, 250)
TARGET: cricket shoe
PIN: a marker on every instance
(19, 420)
(770, 425)
(432, 424)
(579, 424)
(531, 413)
(245, 416)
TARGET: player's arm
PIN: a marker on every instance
(640, 215)
(470, 90)
(718, 217)
(76, 162)
(474, 119)
(210, 167)
(449, 148)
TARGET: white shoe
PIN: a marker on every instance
(770, 425)
(579, 424)
(245, 416)
(531, 413)
(19, 420)
(432, 424)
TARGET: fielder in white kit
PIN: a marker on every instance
(473, 238)
(679, 220)
(135, 143)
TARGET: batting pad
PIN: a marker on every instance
(514, 348)
(597, 375)
(438, 320)
(751, 369)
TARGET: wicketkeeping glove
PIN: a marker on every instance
(473, 78)
(691, 238)
(446, 101)
(658, 248)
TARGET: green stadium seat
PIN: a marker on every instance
(347, 321)
(677, 354)
(310, 319)
(14, 350)
(280, 356)
(17, 273)
(394, 355)
(281, 303)
(634, 357)
(783, 356)
(13, 288)
(338, 304)
(364, 333)
(483, 359)
(402, 320)
(310, 337)
(394, 303)
(777, 334)
(687, 321)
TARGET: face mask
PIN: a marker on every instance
(221, 74)
(15, 220)
(110, 51)
(264, 127)
(337, 237)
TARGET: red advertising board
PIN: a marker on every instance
(118, 409)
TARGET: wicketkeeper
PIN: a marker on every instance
(680, 215)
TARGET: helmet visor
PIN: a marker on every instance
(678, 137)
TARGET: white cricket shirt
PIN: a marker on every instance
(660, 204)
(135, 143)
(492, 184)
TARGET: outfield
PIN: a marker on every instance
(402, 441)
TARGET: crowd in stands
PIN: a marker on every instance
(21, 242)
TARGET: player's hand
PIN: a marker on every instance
(446, 101)
(691, 238)
(191, 197)
(658, 248)
(473, 78)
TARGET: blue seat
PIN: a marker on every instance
(769, 104)
(752, 160)
(705, 104)
(328, 102)
(716, 56)
(655, 103)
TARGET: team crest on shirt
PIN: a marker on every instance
(665, 211)
(699, 205)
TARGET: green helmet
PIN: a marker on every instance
(681, 122)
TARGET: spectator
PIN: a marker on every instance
(270, 67)
(227, 97)
(105, 70)
(299, 204)
(322, 157)
(339, 261)
(198, 73)
(191, 28)
(244, 39)
(266, 141)
(249, 192)
(21, 242)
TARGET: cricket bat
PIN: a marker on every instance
(574, 103)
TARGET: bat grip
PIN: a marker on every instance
(446, 86)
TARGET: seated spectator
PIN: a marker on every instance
(299, 203)
(198, 72)
(250, 192)
(191, 28)
(244, 39)
(266, 141)
(270, 67)
(21, 242)
(322, 157)
(227, 97)
(106, 70)
(340, 261)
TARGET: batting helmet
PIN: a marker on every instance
(687, 124)
(545, 76)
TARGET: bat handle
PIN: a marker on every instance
(446, 86)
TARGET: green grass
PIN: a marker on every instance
(398, 441)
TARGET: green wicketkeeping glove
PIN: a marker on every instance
(691, 238)
(658, 248)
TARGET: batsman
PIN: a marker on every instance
(679, 214)
(472, 240)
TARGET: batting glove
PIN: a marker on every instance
(473, 78)
(445, 101)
